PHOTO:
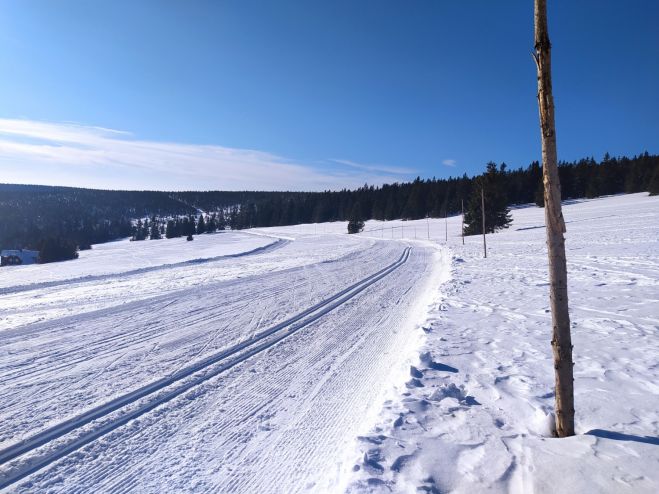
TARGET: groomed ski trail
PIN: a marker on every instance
(317, 357)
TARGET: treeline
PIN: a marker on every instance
(186, 226)
(586, 178)
(30, 215)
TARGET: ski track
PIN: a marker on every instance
(115, 289)
(270, 422)
(277, 244)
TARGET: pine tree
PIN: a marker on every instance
(653, 186)
(356, 223)
(190, 226)
(211, 226)
(222, 222)
(497, 213)
(170, 231)
(201, 225)
(155, 234)
(140, 230)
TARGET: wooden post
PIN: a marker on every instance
(483, 215)
(555, 226)
(462, 228)
(428, 225)
(446, 226)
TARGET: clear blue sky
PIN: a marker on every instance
(312, 94)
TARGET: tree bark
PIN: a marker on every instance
(561, 339)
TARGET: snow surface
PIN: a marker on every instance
(244, 374)
(302, 359)
(475, 413)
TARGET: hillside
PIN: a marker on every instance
(30, 214)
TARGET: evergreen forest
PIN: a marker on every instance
(32, 216)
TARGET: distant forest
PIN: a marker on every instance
(31, 215)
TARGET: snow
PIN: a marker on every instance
(124, 256)
(302, 359)
(249, 374)
(482, 419)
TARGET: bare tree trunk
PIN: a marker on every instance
(561, 340)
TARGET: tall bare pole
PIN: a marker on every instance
(483, 215)
(561, 339)
(462, 227)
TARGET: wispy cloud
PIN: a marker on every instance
(375, 168)
(81, 155)
(450, 163)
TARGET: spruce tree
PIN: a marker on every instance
(653, 186)
(170, 231)
(356, 222)
(497, 213)
(211, 226)
(155, 234)
(201, 225)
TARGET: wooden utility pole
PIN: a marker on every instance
(483, 215)
(555, 224)
(462, 228)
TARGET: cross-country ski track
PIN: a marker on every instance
(248, 384)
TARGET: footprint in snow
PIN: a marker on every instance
(414, 372)
(414, 383)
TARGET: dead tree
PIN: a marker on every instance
(561, 339)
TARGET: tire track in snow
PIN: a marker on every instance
(240, 352)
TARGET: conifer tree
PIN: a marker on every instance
(211, 226)
(155, 234)
(201, 225)
(190, 227)
(221, 221)
(170, 231)
(653, 186)
(497, 213)
(356, 222)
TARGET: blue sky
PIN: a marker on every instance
(311, 94)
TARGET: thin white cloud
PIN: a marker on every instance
(450, 163)
(80, 155)
(375, 168)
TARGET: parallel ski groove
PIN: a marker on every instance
(280, 331)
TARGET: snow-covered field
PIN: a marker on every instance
(250, 373)
(476, 417)
(279, 360)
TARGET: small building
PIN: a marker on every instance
(17, 257)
